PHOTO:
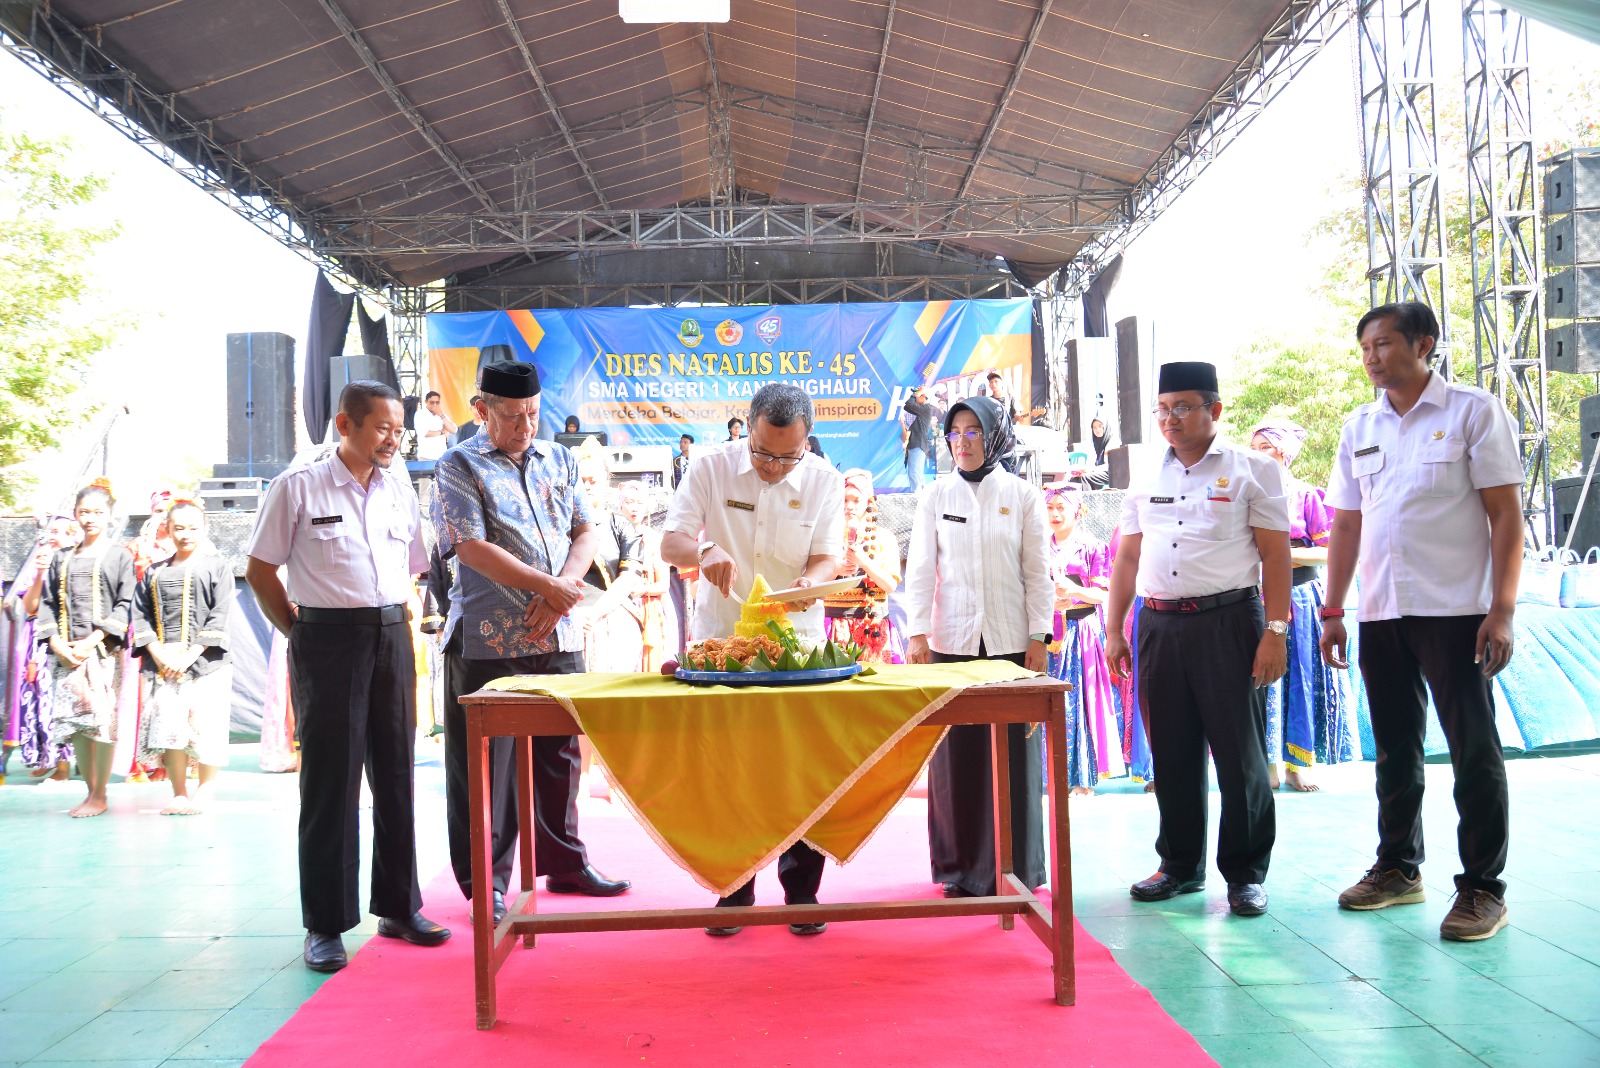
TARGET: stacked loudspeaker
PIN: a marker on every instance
(1572, 309)
(260, 406)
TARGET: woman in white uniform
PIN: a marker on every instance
(978, 587)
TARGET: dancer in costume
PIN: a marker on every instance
(1080, 568)
(613, 632)
(28, 697)
(180, 628)
(978, 587)
(81, 608)
(651, 578)
(861, 615)
(1308, 709)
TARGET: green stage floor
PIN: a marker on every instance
(143, 940)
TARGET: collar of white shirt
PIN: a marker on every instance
(1434, 393)
(1213, 449)
(342, 475)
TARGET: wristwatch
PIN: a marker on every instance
(705, 547)
(1278, 627)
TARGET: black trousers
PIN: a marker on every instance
(961, 801)
(556, 767)
(1397, 656)
(799, 872)
(355, 703)
(1195, 687)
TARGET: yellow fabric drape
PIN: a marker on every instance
(726, 778)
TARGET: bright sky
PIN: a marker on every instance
(1229, 261)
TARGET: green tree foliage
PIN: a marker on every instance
(46, 338)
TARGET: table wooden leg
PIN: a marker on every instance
(483, 933)
(1004, 864)
(1061, 949)
(525, 827)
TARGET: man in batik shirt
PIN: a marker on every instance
(508, 507)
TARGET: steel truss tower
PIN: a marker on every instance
(1405, 218)
(1503, 220)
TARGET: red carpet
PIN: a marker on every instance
(912, 992)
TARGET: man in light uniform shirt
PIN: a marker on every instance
(349, 532)
(1426, 489)
(434, 428)
(764, 506)
(1197, 536)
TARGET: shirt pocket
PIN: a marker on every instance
(792, 545)
(1368, 474)
(1225, 519)
(330, 549)
(1443, 467)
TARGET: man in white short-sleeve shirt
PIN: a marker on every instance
(1205, 542)
(435, 431)
(1426, 489)
(761, 505)
(347, 530)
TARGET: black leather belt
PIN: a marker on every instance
(1302, 575)
(1201, 604)
(384, 616)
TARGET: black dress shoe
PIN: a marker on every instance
(723, 932)
(499, 907)
(1247, 899)
(585, 881)
(1161, 886)
(325, 952)
(807, 928)
(418, 930)
(957, 890)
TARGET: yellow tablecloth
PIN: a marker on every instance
(726, 778)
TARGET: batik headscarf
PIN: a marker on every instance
(998, 438)
(1286, 436)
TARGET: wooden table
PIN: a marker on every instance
(492, 714)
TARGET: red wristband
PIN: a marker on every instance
(1332, 613)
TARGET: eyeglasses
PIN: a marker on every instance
(956, 435)
(769, 458)
(1180, 412)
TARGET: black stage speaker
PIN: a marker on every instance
(1573, 347)
(260, 401)
(1074, 430)
(1130, 399)
(1565, 492)
(1588, 427)
(1572, 261)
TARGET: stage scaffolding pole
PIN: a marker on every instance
(1404, 214)
(1504, 235)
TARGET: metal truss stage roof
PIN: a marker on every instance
(410, 143)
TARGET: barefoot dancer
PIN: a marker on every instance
(181, 631)
(82, 610)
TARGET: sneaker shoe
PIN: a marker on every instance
(1476, 915)
(1378, 889)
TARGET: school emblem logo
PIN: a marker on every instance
(769, 328)
(689, 333)
(1222, 483)
(729, 332)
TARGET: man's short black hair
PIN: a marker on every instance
(474, 400)
(428, 396)
(686, 437)
(735, 421)
(356, 398)
(1412, 318)
(993, 375)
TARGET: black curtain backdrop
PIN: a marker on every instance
(375, 342)
(330, 321)
(1096, 322)
(1040, 376)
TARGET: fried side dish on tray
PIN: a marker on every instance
(763, 641)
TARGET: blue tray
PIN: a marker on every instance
(766, 678)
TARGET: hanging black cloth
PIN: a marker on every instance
(330, 321)
(375, 342)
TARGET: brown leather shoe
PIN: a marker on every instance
(1476, 915)
(1378, 889)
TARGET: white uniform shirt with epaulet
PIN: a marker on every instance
(1415, 479)
(978, 568)
(344, 546)
(769, 528)
(1199, 522)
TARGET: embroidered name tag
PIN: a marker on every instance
(1161, 500)
(1368, 451)
(741, 505)
(955, 518)
(324, 520)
